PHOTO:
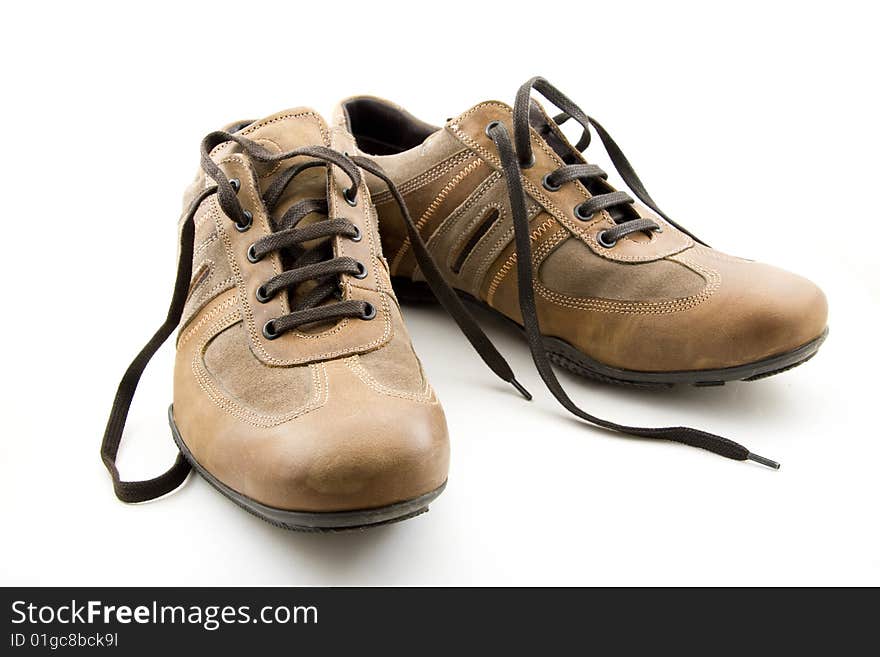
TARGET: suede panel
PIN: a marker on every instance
(266, 390)
(573, 270)
(395, 366)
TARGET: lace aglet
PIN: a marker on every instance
(525, 393)
(763, 461)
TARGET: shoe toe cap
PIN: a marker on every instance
(347, 458)
(771, 312)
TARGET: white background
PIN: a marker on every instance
(755, 125)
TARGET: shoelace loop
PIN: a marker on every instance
(512, 154)
(304, 265)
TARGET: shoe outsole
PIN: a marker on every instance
(572, 359)
(309, 521)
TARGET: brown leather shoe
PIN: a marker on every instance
(615, 290)
(297, 393)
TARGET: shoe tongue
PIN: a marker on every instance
(281, 132)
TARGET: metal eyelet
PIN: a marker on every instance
(269, 331)
(604, 240)
(658, 228)
(493, 124)
(548, 185)
(361, 272)
(579, 213)
(369, 311)
(236, 184)
(529, 164)
(357, 237)
(262, 295)
(350, 196)
(248, 221)
(252, 254)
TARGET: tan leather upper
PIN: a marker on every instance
(335, 418)
(654, 302)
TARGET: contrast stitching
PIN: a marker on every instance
(712, 278)
(256, 126)
(582, 231)
(226, 284)
(424, 396)
(233, 407)
(482, 189)
(432, 208)
(250, 320)
(248, 315)
(429, 176)
(511, 259)
(204, 245)
(187, 335)
(500, 244)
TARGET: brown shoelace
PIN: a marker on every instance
(317, 264)
(517, 154)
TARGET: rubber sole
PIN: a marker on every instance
(569, 357)
(310, 521)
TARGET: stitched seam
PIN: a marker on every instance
(428, 176)
(258, 346)
(248, 317)
(275, 166)
(436, 203)
(483, 189)
(712, 278)
(546, 247)
(425, 396)
(583, 231)
(511, 259)
(256, 126)
(226, 284)
(234, 408)
(466, 233)
(187, 335)
(495, 250)
(204, 245)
